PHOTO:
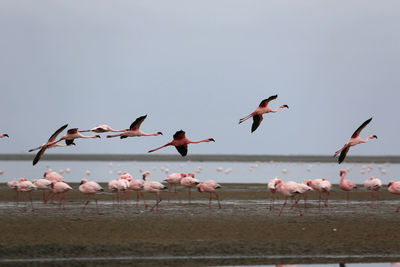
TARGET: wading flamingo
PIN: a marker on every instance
(153, 187)
(354, 140)
(322, 186)
(394, 188)
(181, 142)
(174, 179)
(288, 189)
(257, 114)
(90, 189)
(73, 134)
(134, 130)
(303, 189)
(26, 187)
(372, 185)
(272, 188)
(53, 176)
(43, 185)
(59, 188)
(13, 185)
(209, 187)
(113, 188)
(49, 144)
(138, 186)
(102, 129)
(346, 185)
(189, 182)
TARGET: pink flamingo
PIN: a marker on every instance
(123, 186)
(73, 134)
(373, 184)
(346, 185)
(113, 188)
(134, 130)
(102, 129)
(174, 179)
(257, 114)
(43, 185)
(90, 189)
(49, 144)
(27, 187)
(13, 185)
(53, 176)
(394, 188)
(272, 188)
(59, 188)
(181, 142)
(153, 187)
(210, 187)
(3, 135)
(288, 189)
(322, 186)
(302, 189)
(354, 140)
(189, 182)
(138, 186)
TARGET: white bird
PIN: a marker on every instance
(134, 130)
(103, 128)
(43, 185)
(372, 185)
(73, 134)
(26, 187)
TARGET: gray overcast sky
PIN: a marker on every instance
(200, 66)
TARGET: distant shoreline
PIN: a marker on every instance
(200, 157)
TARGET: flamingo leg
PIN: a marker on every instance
(84, 206)
(137, 199)
(97, 206)
(209, 204)
(144, 200)
(297, 205)
(50, 197)
(398, 208)
(348, 198)
(44, 197)
(305, 201)
(63, 200)
(283, 206)
(30, 198)
(319, 200)
(156, 205)
(16, 197)
(271, 207)
(246, 118)
(176, 193)
(219, 204)
(326, 201)
(190, 195)
(169, 192)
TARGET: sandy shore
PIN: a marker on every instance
(244, 231)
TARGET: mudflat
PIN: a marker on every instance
(244, 231)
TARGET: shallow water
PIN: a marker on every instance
(223, 172)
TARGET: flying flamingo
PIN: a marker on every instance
(346, 185)
(394, 188)
(210, 186)
(134, 130)
(27, 187)
(90, 189)
(189, 182)
(272, 188)
(257, 114)
(73, 134)
(138, 186)
(288, 189)
(373, 184)
(43, 185)
(153, 187)
(13, 185)
(181, 143)
(59, 188)
(3, 135)
(354, 140)
(174, 179)
(102, 129)
(49, 144)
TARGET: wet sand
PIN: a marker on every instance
(244, 231)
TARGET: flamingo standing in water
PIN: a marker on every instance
(59, 188)
(113, 188)
(346, 185)
(189, 181)
(272, 188)
(354, 140)
(27, 187)
(73, 134)
(174, 179)
(288, 189)
(134, 130)
(90, 189)
(138, 186)
(49, 144)
(372, 185)
(13, 185)
(257, 114)
(153, 187)
(102, 129)
(302, 189)
(181, 142)
(53, 176)
(394, 188)
(3, 135)
(210, 186)
(322, 186)
(43, 185)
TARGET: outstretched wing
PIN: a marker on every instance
(69, 141)
(179, 135)
(38, 156)
(136, 124)
(257, 119)
(357, 132)
(183, 149)
(54, 135)
(265, 102)
(343, 154)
